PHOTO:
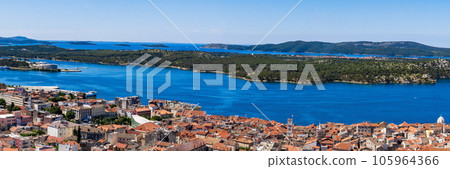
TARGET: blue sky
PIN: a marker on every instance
(228, 21)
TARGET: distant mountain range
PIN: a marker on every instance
(20, 40)
(395, 48)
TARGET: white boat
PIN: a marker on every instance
(91, 94)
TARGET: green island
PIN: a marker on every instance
(397, 48)
(17, 64)
(14, 63)
(351, 70)
(80, 43)
(122, 44)
(155, 45)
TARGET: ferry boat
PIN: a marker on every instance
(91, 94)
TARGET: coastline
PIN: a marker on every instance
(434, 81)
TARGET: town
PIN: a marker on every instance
(50, 119)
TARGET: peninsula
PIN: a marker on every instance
(351, 70)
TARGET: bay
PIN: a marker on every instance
(340, 102)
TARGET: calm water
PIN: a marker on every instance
(340, 102)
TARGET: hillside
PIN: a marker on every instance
(398, 48)
(20, 40)
(329, 70)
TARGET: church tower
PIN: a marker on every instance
(442, 121)
(290, 125)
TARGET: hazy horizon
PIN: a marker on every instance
(52, 40)
(228, 22)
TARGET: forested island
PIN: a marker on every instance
(364, 71)
(155, 45)
(398, 48)
(122, 44)
(14, 63)
(81, 43)
(20, 40)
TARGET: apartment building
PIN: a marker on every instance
(62, 129)
(17, 100)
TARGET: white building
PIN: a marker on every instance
(39, 106)
(82, 113)
(7, 120)
(17, 100)
(68, 147)
(98, 110)
(62, 129)
(43, 65)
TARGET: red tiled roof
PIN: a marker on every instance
(121, 146)
(10, 149)
(221, 147)
(342, 146)
(150, 126)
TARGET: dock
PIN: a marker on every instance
(45, 88)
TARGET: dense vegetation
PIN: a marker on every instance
(330, 70)
(155, 46)
(2, 103)
(69, 115)
(112, 120)
(400, 48)
(33, 133)
(13, 63)
(80, 43)
(12, 107)
(20, 40)
(122, 44)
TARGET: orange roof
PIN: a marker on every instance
(54, 139)
(163, 112)
(10, 149)
(155, 148)
(72, 143)
(194, 113)
(291, 147)
(221, 147)
(110, 127)
(45, 125)
(150, 126)
(121, 146)
(142, 109)
(343, 146)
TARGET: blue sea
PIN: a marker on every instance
(340, 102)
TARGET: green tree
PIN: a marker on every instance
(69, 115)
(71, 96)
(55, 110)
(61, 94)
(79, 135)
(40, 132)
(16, 108)
(156, 118)
(57, 99)
(98, 121)
(2, 102)
(11, 107)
